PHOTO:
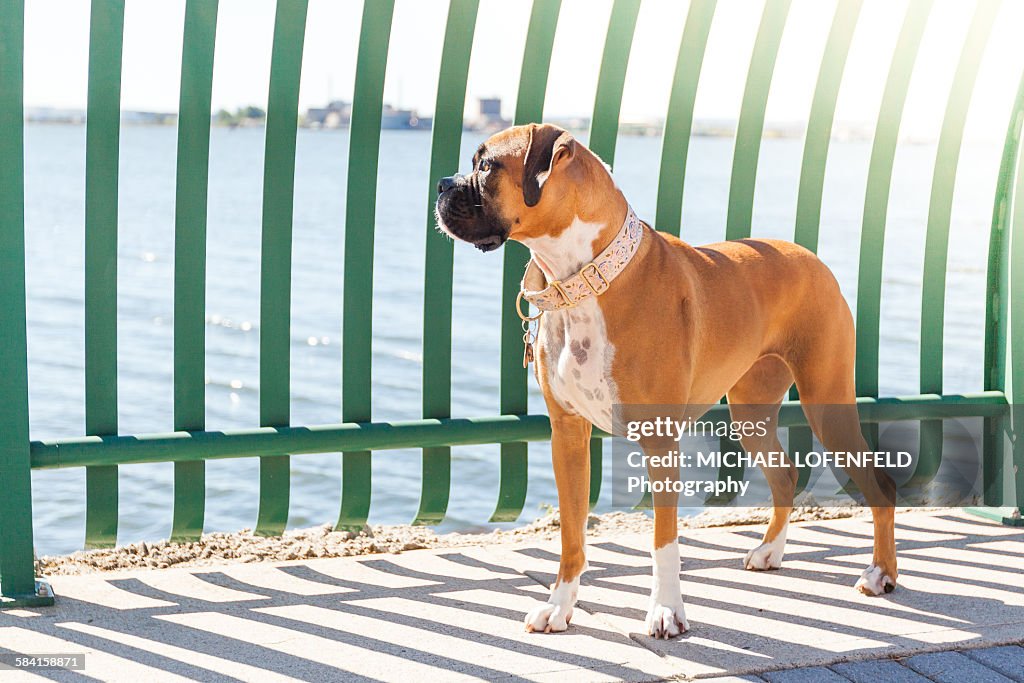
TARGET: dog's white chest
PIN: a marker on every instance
(579, 362)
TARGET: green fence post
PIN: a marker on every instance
(749, 131)
(533, 82)
(819, 123)
(618, 43)
(876, 204)
(276, 256)
(812, 168)
(1015, 392)
(360, 217)
(192, 186)
(604, 133)
(997, 306)
(103, 124)
(936, 250)
(751, 122)
(675, 144)
(17, 568)
(445, 146)
(1004, 323)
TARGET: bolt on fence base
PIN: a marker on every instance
(42, 597)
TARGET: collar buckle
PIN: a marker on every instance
(569, 301)
(590, 280)
(590, 270)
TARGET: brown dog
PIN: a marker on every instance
(637, 317)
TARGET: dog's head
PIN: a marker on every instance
(521, 180)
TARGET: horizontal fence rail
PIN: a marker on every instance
(372, 436)
(103, 449)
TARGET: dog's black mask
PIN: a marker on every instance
(462, 211)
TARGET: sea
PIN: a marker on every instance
(55, 203)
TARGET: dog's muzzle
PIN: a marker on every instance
(461, 213)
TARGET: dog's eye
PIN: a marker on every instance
(484, 166)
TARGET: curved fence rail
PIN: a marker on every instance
(191, 193)
(103, 449)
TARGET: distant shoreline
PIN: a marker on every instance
(701, 129)
(709, 130)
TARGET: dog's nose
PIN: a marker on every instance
(445, 184)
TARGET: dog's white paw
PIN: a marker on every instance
(764, 556)
(667, 621)
(666, 618)
(555, 614)
(548, 618)
(874, 581)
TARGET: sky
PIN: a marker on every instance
(56, 57)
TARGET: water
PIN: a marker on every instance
(55, 239)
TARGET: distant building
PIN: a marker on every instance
(490, 107)
(337, 114)
(488, 118)
(403, 119)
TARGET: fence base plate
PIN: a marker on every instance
(1006, 516)
(42, 597)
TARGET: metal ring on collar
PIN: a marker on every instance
(519, 311)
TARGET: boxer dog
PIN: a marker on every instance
(632, 316)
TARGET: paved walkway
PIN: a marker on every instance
(456, 614)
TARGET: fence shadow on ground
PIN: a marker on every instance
(439, 614)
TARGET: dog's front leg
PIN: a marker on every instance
(570, 456)
(666, 616)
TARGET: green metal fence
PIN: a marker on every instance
(103, 450)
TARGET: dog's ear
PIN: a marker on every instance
(549, 147)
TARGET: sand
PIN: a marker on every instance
(322, 541)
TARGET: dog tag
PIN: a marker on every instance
(527, 344)
(527, 354)
(528, 338)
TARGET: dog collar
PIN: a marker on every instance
(592, 279)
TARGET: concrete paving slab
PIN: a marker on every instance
(815, 674)
(456, 613)
(1007, 660)
(876, 670)
(953, 667)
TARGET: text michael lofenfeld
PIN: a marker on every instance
(715, 459)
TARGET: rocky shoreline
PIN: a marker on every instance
(321, 541)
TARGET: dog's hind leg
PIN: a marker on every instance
(838, 428)
(755, 398)
(828, 397)
(570, 456)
